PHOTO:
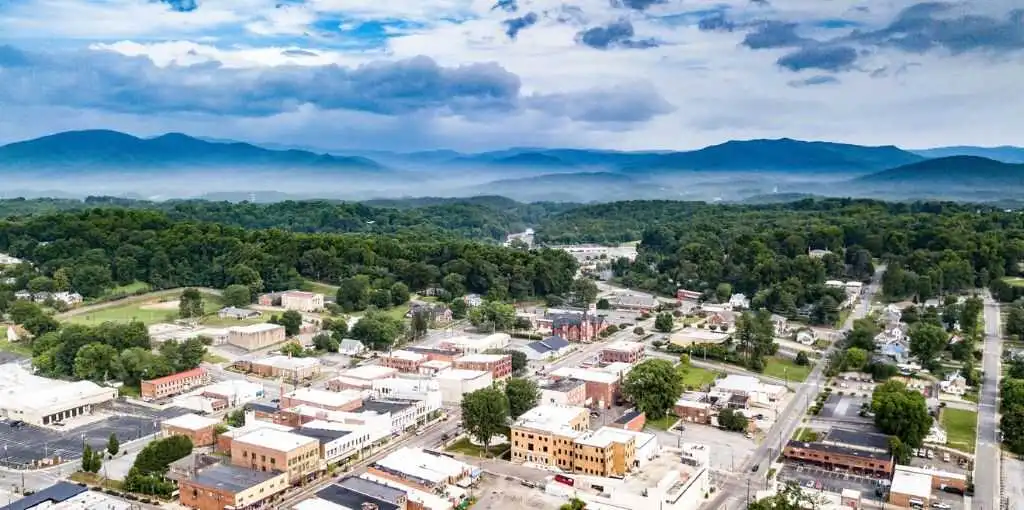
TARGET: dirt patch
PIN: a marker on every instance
(161, 305)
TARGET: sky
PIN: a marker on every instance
(475, 75)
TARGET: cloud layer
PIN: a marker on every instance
(470, 74)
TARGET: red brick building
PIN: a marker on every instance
(174, 384)
(403, 361)
(578, 327)
(197, 428)
(632, 420)
(623, 352)
(437, 353)
(225, 486)
(841, 457)
(499, 365)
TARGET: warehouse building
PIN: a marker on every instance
(256, 336)
(41, 401)
(174, 384)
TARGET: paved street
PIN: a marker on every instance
(732, 491)
(986, 468)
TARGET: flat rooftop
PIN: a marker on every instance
(482, 358)
(232, 478)
(323, 435)
(552, 418)
(407, 355)
(586, 374)
(288, 362)
(857, 438)
(912, 484)
(565, 384)
(841, 450)
(324, 397)
(385, 406)
(627, 417)
(275, 440)
(369, 372)
(462, 374)
(255, 328)
(191, 421)
(437, 364)
(625, 346)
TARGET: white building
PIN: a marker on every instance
(351, 347)
(739, 302)
(338, 441)
(835, 284)
(361, 377)
(7, 260)
(759, 393)
(954, 384)
(41, 401)
(455, 383)
(68, 298)
(426, 499)
(805, 337)
(237, 392)
(420, 390)
(417, 464)
(469, 345)
(302, 301)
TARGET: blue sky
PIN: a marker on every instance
(476, 75)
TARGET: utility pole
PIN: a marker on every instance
(748, 491)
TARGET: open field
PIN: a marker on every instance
(147, 312)
(1015, 281)
(23, 349)
(961, 428)
(326, 289)
(696, 377)
(785, 368)
(663, 423)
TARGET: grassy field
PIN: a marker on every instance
(961, 428)
(1015, 281)
(23, 349)
(806, 435)
(663, 423)
(696, 377)
(321, 288)
(145, 312)
(785, 368)
(215, 359)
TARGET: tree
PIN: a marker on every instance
(485, 413)
(573, 504)
(1012, 426)
(523, 324)
(91, 461)
(190, 305)
(653, 386)
(325, 342)
(789, 497)
(377, 330)
(96, 362)
(902, 452)
(603, 304)
(419, 324)
(459, 309)
(901, 412)
(927, 341)
(584, 291)
(235, 418)
(293, 350)
(522, 396)
(863, 334)
(723, 292)
(354, 293)
(399, 293)
(191, 353)
(90, 280)
(802, 359)
(113, 445)
(41, 284)
(493, 315)
(237, 295)
(62, 280)
(664, 322)
(856, 359)
(732, 420)
(638, 330)
(381, 298)
(519, 359)
(292, 322)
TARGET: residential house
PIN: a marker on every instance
(638, 302)
(41, 297)
(68, 298)
(231, 312)
(954, 384)
(724, 320)
(805, 337)
(435, 312)
(473, 300)
(688, 295)
(781, 325)
(23, 295)
(351, 347)
(550, 347)
(892, 315)
(817, 253)
(739, 302)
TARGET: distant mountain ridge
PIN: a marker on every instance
(1004, 153)
(952, 170)
(102, 149)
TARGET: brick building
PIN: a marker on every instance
(174, 384)
(577, 327)
(499, 365)
(602, 387)
(403, 361)
(623, 352)
(631, 420)
(224, 486)
(270, 450)
(566, 392)
(302, 301)
(197, 428)
(346, 400)
(693, 410)
(284, 367)
(841, 457)
(437, 353)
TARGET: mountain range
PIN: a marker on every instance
(178, 165)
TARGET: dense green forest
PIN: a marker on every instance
(98, 248)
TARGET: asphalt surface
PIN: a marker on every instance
(987, 452)
(732, 490)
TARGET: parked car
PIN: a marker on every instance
(755, 468)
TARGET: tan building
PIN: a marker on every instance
(346, 400)
(285, 367)
(916, 485)
(404, 361)
(222, 486)
(360, 377)
(623, 352)
(546, 434)
(174, 384)
(197, 428)
(256, 336)
(302, 301)
(564, 392)
(604, 454)
(271, 450)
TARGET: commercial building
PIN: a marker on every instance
(231, 312)
(841, 457)
(302, 301)
(437, 353)
(41, 401)
(197, 428)
(223, 486)
(338, 442)
(174, 384)
(545, 435)
(499, 365)
(602, 387)
(421, 470)
(351, 347)
(270, 450)
(912, 483)
(256, 336)
(550, 347)
(403, 361)
(346, 400)
(420, 390)
(692, 408)
(631, 420)
(234, 392)
(433, 367)
(356, 494)
(470, 345)
(564, 392)
(360, 378)
(603, 454)
(758, 394)
(456, 383)
(225, 439)
(284, 367)
(623, 352)
(66, 496)
(420, 499)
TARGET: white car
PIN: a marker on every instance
(941, 506)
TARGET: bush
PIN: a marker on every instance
(638, 330)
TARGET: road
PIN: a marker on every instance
(987, 452)
(732, 491)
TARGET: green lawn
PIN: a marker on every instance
(215, 359)
(785, 368)
(663, 423)
(321, 288)
(843, 315)
(961, 428)
(1015, 281)
(144, 312)
(696, 377)
(971, 396)
(806, 435)
(23, 349)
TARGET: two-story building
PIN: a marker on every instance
(271, 450)
(499, 365)
(174, 384)
(623, 352)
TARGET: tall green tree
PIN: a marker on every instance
(485, 414)
(522, 396)
(653, 386)
(927, 341)
(493, 315)
(237, 295)
(292, 322)
(664, 322)
(399, 293)
(584, 291)
(113, 445)
(190, 305)
(901, 412)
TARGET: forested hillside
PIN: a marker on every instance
(101, 247)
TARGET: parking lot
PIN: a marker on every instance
(500, 493)
(836, 481)
(845, 408)
(25, 445)
(730, 448)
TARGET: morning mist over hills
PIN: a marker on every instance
(99, 162)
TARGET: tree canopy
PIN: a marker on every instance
(653, 386)
(901, 412)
